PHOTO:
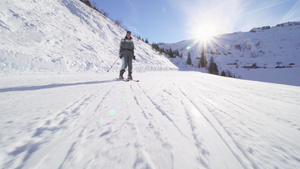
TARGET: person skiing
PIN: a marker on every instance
(126, 53)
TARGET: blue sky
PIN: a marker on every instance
(171, 21)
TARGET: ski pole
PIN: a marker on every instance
(112, 65)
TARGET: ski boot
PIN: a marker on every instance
(129, 76)
(121, 75)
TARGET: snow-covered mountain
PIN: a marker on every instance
(61, 114)
(65, 36)
(266, 47)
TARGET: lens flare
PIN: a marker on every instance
(112, 112)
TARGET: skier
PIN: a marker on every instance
(126, 53)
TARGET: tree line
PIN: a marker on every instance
(172, 53)
(210, 65)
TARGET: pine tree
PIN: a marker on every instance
(160, 51)
(180, 56)
(171, 53)
(213, 68)
(176, 52)
(155, 46)
(189, 60)
(203, 61)
(223, 73)
(88, 3)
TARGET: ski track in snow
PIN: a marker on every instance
(220, 131)
(54, 117)
(167, 120)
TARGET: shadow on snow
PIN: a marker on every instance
(49, 86)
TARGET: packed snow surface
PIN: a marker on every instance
(60, 108)
(167, 120)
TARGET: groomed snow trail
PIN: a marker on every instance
(167, 120)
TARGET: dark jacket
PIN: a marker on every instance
(126, 47)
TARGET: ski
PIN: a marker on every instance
(132, 80)
(127, 80)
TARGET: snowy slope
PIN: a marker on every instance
(167, 120)
(65, 111)
(261, 46)
(64, 36)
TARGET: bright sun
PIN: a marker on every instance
(204, 32)
(204, 37)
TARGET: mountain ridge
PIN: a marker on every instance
(266, 47)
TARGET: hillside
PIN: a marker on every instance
(274, 50)
(65, 36)
(59, 107)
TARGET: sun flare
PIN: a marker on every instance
(205, 38)
(204, 32)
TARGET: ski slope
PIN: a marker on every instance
(60, 108)
(167, 120)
